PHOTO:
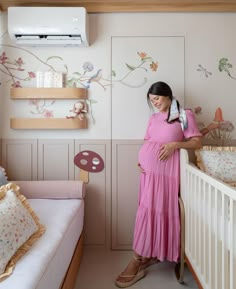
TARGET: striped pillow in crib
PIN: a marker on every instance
(219, 162)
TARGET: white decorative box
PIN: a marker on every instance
(49, 79)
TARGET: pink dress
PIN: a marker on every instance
(157, 226)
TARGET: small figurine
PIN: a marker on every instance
(79, 109)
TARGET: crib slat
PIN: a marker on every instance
(223, 241)
(204, 232)
(199, 255)
(216, 239)
(210, 236)
(191, 219)
(231, 244)
(201, 232)
(194, 218)
(187, 208)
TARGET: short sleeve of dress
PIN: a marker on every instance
(147, 134)
(192, 129)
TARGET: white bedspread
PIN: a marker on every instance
(45, 264)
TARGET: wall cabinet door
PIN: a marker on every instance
(55, 159)
(98, 194)
(19, 158)
(125, 189)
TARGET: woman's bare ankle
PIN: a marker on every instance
(132, 268)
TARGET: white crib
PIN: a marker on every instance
(210, 227)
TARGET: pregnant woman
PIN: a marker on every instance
(157, 225)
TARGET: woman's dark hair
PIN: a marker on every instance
(162, 89)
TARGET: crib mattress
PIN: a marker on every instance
(45, 264)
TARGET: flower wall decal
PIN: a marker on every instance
(18, 74)
(89, 75)
(145, 63)
(10, 66)
(40, 107)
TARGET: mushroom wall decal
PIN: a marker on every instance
(88, 162)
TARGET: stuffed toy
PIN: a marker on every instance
(79, 110)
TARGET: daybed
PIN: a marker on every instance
(53, 260)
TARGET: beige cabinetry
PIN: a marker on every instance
(52, 159)
(125, 190)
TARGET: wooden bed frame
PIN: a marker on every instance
(71, 274)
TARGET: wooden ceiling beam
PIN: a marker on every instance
(99, 6)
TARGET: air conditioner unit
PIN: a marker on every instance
(46, 26)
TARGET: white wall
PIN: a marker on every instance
(208, 37)
(2, 31)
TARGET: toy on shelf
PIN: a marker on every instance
(79, 110)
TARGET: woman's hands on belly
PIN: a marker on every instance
(166, 150)
(141, 169)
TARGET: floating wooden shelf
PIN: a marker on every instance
(48, 93)
(48, 123)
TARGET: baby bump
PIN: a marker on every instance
(148, 155)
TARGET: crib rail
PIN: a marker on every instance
(210, 226)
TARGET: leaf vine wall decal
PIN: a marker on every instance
(146, 63)
(17, 71)
(40, 107)
(225, 66)
(10, 67)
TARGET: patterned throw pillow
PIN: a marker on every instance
(19, 228)
(219, 162)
